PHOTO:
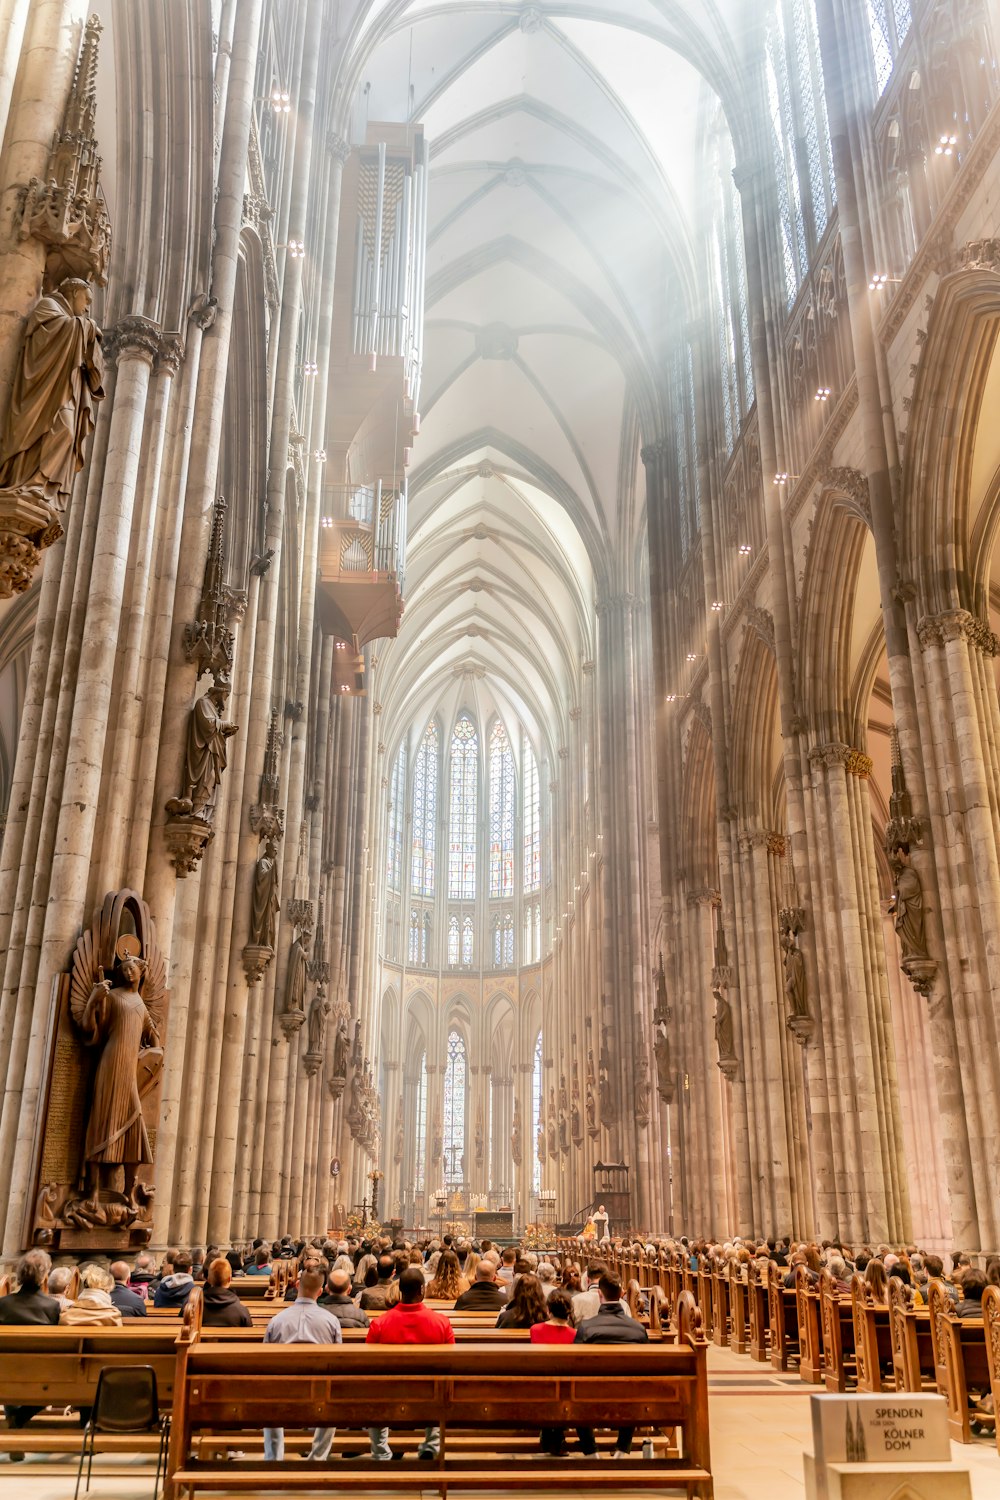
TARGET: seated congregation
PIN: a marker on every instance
(238, 1312)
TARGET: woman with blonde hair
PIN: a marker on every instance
(449, 1282)
(93, 1307)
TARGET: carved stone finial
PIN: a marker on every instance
(208, 640)
(64, 209)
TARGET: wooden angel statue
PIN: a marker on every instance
(122, 1017)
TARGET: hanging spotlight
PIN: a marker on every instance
(310, 367)
(946, 145)
(281, 102)
(822, 393)
(717, 606)
(745, 549)
(295, 248)
(692, 656)
(882, 279)
(319, 454)
(784, 478)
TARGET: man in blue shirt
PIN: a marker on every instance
(303, 1322)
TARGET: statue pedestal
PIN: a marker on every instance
(729, 1067)
(187, 839)
(311, 1062)
(801, 1027)
(921, 973)
(28, 524)
(292, 1021)
(256, 957)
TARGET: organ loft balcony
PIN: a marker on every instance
(374, 387)
(362, 544)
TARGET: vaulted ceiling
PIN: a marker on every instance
(562, 255)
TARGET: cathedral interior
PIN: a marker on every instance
(499, 523)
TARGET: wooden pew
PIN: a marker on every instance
(704, 1294)
(837, 1320)
(991, 1322)
(810, 1327)
(720, 1306)
(222, 1388)
(912, 1346)
(739, 1311)
(872, 1338)
(960, 1363)
(783, 1320)
(757, 1311)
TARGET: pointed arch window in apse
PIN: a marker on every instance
(453, 941)
(462, 819)
(532, 876)
(425, 791)
(536, 1114)
(467, 931)
(501, 813)
(454, 1107)
(420, 1160)
(397, 792)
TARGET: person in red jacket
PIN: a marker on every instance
(411, 1321)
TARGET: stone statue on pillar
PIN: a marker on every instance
(591, 1105)
(642, 1085)
(515, 1134)
(540, 1142)
(59, 378)
(341, 1044)
(553, 1125)
(576, 1119)
(266, 898)
(319, 1010)
(725, 1038)
(293, 1014)
(397, 1150)
(907, 907)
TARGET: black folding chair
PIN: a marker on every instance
(125, 1401)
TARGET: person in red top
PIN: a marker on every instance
(559, 1330)
(411, 1321)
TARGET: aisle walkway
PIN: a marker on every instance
(760, 1427)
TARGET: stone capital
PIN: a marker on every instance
(133, 337)
(170, 354)
(707, 896)
(855, 762)
(338, 148)
(957, 624)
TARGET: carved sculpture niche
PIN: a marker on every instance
(60, 372)
(99, 1105)
(209, 642)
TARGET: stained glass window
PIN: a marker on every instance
(425, 791)
(420, 1161)
(454, 1108)
(467, 931)
(797, 108)
(531, 819)
(497, 942)
(462, 844)
(536, 1114)
(888, 27)
(501, 813)
(454, 941)
(397, 794)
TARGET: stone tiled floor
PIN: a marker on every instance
(760, 1428)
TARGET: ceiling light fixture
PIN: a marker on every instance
(784, 478)
(310, 367)
(319, 454)
(281, 102)
(718, 605)
(882, 279)
(745, 549)
(946, 145)
(295, 248)
(822, 393)
(692, 656)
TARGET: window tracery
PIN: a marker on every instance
(425, 788)
(501, 813)
(454, 1108)
(463, 804)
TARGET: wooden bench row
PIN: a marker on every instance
(481, 1388)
